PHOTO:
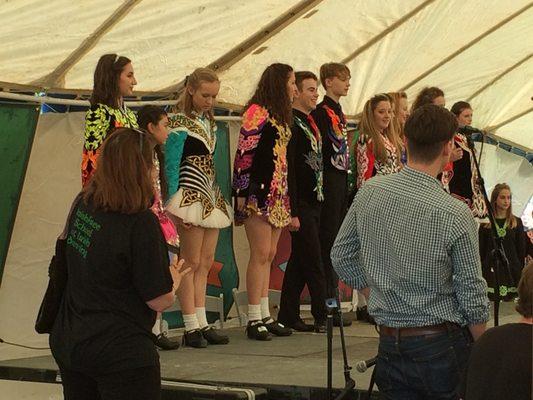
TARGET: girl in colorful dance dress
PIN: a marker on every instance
(114, 79)
(154, 120)
(195, 199)
(260, 188)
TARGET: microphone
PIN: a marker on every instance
(362, 366)
(468, 130)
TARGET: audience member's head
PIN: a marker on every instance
(525, 292)
(123, 181)
(429, 131)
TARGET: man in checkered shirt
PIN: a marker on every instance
(412, 249)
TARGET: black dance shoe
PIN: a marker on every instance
(213, 336)
(276, 328)
(164, 343)
(301, 326)
(258, 331)
(194, 339)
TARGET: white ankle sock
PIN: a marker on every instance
(265, 310)
(191, 322)
(202, 318)
(254, 312)
(156, 329)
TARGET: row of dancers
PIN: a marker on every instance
(296, 166)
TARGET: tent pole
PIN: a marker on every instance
(56, 78)
(466, 47)
(386, 31)
(253, 42)
(499, 76)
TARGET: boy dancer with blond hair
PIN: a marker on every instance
(331, 121)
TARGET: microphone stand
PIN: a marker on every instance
(501, 264)
(333, 307)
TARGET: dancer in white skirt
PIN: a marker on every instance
(195, 199)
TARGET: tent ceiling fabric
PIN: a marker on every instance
(458, 45)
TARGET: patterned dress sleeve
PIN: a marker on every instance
(365, 160)
(253, 121)
(173, 153)
(98, 124)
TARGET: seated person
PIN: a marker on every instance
(500, 362)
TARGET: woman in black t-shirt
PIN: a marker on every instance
(118, 278)
(510, 228)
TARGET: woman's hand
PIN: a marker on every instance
(457, 154)
(240, 203)
(294, 226)
(177, 271)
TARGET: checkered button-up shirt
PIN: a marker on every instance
(416, 247)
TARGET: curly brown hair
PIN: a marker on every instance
(271, 93)
(106, 77)
(426, 96)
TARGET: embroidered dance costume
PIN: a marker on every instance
(460, 179)
(306, 197)
(193, 193)
(367, 163)
(100, 121)
(331, 123)
(167, 226)
(260, 168)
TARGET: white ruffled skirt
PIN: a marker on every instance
(197, 208)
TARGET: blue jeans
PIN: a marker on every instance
(422, 367)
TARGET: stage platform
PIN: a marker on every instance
(291, 367)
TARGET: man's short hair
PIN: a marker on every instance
(427, 130)
(525, 292)
(302, 76)
(332, 70)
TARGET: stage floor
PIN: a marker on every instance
(297, 361)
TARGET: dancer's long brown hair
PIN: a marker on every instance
(106, 78)
(367, 126)
(271, 93)
(510, 219)
(426, 96)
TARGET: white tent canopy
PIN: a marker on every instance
(475, 50)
